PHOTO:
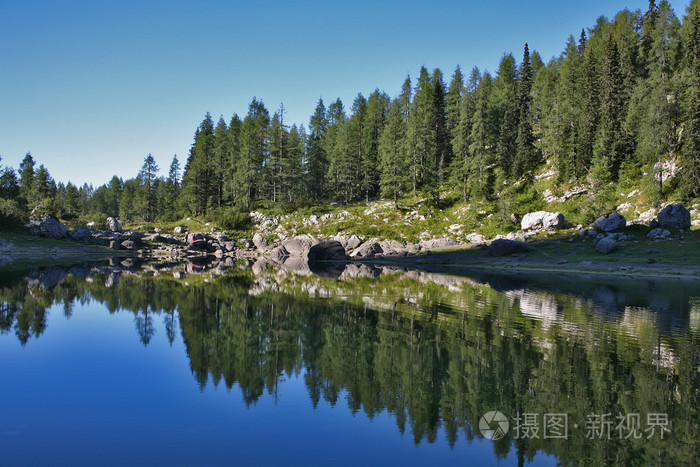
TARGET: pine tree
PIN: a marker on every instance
(608, 150)
(505, 103)
(316, 163)
(691, 146)
(393, 149)
(525, 156)
(9, 185)
(146, 191)
(253, 152)
(463, 121)
(375, 119)
(482, 140)
(26, 180)
(220, 163)
(422, 137)
(443, 149)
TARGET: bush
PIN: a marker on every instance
(11, 213)
(232, 219)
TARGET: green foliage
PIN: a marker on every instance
(11, 213)
(232, 219)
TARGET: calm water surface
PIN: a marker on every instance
(219, 363)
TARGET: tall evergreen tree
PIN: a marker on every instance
(461, 133)
(26, 179)
(422, 136)
(505, 103)
(146, 191)
(525, 156)
(393, 148)
(443, 149)
(316, 163)
(691, 146)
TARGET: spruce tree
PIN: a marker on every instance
(525, 156)
(422, 136)
(393, 149)
(316, 163)
(26, 180)
(146, 192)
(691, 146)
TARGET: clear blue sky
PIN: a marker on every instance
(92, 87)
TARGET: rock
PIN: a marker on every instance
(606, 245)
(113, 225)
(327, 250)
(114, 245)
(179, 230)
(350, 243)
(297, 246)
(392, 248)
(158, 230)
(609, 222)
(542, 220)
(48, 227)
(246, 243)
(674, 216)
(659, 234)
(229, 246)
(80, 234)
(367, 250)
(277, 254)
(90, 225)
(514, 218)
(475, 238)
(438, 243)
(129, 245)
(503, 247)
(259, 241)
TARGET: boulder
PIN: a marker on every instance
(438, 243)
(48, 227)
(674, 216)
(542, 220)
(129, 245)
(113, 225)
(297, 246)
(392, 248)
(114, 245)
(609, 222)
(659, 234)
(606, 245)
(367, 250)
(327, 250)
(504, 247)
(246, 243)
(81, 234)
(259, 241)
(179, 230)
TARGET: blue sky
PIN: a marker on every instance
(92, 87)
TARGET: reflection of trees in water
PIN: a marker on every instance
(468, 350)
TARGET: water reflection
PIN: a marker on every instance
(435, 351)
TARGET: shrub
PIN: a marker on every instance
(11, 213)
(232, 219)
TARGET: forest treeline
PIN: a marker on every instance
(622, 99)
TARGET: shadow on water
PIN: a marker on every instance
(435, 351)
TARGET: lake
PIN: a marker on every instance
(217, 363)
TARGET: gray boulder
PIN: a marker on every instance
(606, 245)
(81, 234)
(113, 225)
(674, 216)
(393, 248)
(438, 243)
(504, 247)
(48, 227)
(129, 245)
(179, 230)
(297, 246)
(542, 220)
(367, 250)
(659, 234)
(327, 250)
(609, 222)
(259, 241)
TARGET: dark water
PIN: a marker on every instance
(218, 363)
